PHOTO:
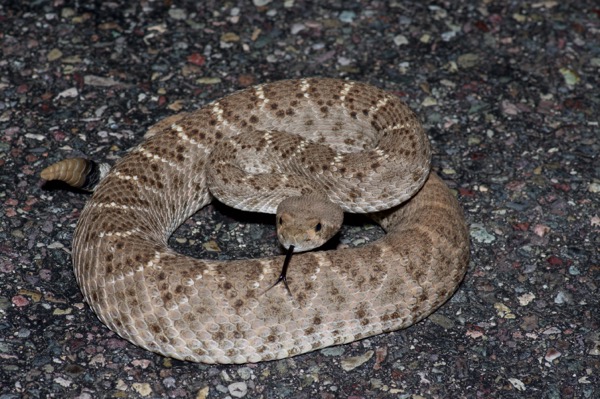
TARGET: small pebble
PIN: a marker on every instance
(518, 384)
(238, 389)
(67, 12)
(177, 13)
(54, 55)
(526, 299)
(144, 389)
(429, 101)
(333, 351)
(297, 28)
(208, 81)
(23, 333)
(245, 373)
(351, 363)
(228, 37)
(347, 16)
(169, 382)
(447, 36)
(400, 40)
(570, 76)
(563, 297)
(203, 393)
(594, 187)
(20, 301)
(480, 234)
(468, 60)
(552, 354)
(63, 382)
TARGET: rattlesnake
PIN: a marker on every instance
(352, 143)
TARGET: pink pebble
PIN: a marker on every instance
(20, 300)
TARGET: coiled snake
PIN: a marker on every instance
(327, 144)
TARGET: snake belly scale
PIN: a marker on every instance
(360, 145)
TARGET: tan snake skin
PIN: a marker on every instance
(221, 311)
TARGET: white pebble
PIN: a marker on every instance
(238, 389)
(400, 40)
(296, 28)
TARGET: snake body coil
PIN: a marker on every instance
(362, 146)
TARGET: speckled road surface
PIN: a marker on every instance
(508, 93)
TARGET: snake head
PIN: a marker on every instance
(307, 221)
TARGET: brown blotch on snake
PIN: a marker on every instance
(368, 154)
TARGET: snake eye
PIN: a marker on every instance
(318, 227)
(280, 221)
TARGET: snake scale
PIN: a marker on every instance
(357, 145)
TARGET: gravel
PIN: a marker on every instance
(509, 95)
